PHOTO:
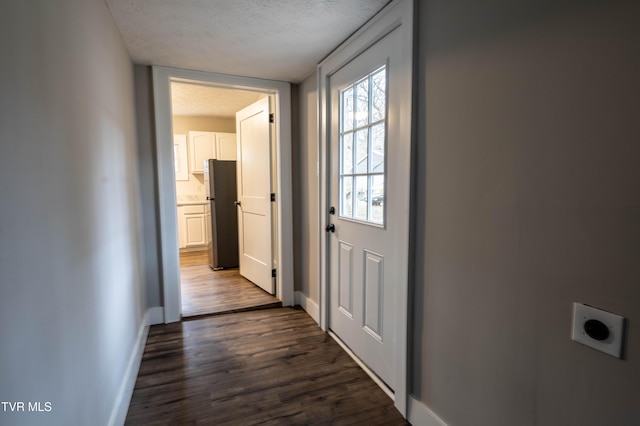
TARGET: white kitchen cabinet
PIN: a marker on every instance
(192, 227)
(180, 228)
(206, 145)
(202, 146)
(226, 147)
(207, 224)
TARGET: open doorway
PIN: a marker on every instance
(205, 145)
(280, 93)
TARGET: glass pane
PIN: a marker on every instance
(347, 153)
(347, 109)
(362, 193)
(362, 103)
(377, 148)
(362, 150)
(378, 93)
(377, 199)
(346, 207)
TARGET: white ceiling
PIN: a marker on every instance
(270, 39)
(195, 100)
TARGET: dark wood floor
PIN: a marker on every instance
(271, 366)
(208, 292)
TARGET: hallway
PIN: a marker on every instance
(272, 366)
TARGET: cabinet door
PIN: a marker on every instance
(207, 225)
(195, 230)
(226, 146)
(181, 231)
(202, 146)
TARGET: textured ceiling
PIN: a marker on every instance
(274, 39)
(192, 99)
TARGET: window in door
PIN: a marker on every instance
(363, 107)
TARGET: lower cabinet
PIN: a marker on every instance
(207, 224)
(192, 226)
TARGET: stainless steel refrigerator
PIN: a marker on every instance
(221, 190)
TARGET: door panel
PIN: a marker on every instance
(345, 283)
(368, 175)
(254, 194)
(373, 293)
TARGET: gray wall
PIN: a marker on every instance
(71, 284)
(305, 172)
(528, 199)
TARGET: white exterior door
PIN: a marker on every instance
(254, 194)
(369, 180)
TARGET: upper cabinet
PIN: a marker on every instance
(180, 157)
(210, 145)
(202, 146)
(226, 146)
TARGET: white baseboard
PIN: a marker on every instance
(194, 248)
(419, 414)
(123, 398)
(155, 315)
(308, 305)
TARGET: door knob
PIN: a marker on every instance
(237, 203)
(330, 228)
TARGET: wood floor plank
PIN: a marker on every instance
(197, 257)
(270, 366)
(208, 292)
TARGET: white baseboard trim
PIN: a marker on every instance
(419, 414)
(193, 248)
(123, 398)
(308, 305)
(155, 315)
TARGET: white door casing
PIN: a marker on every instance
(364, 268)
(169, 258)
(254, 194)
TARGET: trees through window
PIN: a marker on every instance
(362, 148)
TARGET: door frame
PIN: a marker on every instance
(398, 15)
(170, 262)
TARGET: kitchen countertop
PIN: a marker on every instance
(190, 200)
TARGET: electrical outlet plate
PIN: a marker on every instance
(612, 345)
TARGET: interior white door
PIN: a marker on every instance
(369, 197)
(254, 194)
